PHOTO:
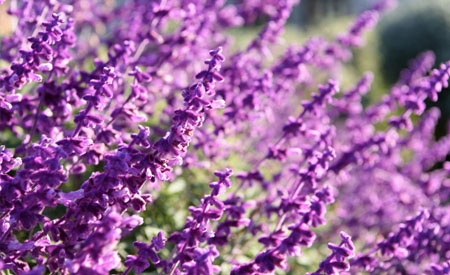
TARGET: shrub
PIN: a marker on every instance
(116, 115)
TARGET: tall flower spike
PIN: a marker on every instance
(335, 264)
(189, 255)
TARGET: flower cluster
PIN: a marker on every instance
(113, 115)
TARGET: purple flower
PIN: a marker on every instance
(98, 117)
(7, 162)
(269, 260)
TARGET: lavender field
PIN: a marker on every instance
(224, 137)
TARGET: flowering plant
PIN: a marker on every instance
(106, 108)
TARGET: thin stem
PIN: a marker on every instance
(121, 108)
(78, 128)
(127, 271)
(40, 20)
(6, 233)
(175, 265)
(283, 217)
(139, 50)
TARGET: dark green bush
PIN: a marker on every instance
(414, 27)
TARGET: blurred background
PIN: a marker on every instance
(413, 27)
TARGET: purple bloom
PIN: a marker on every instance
(102, 131)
